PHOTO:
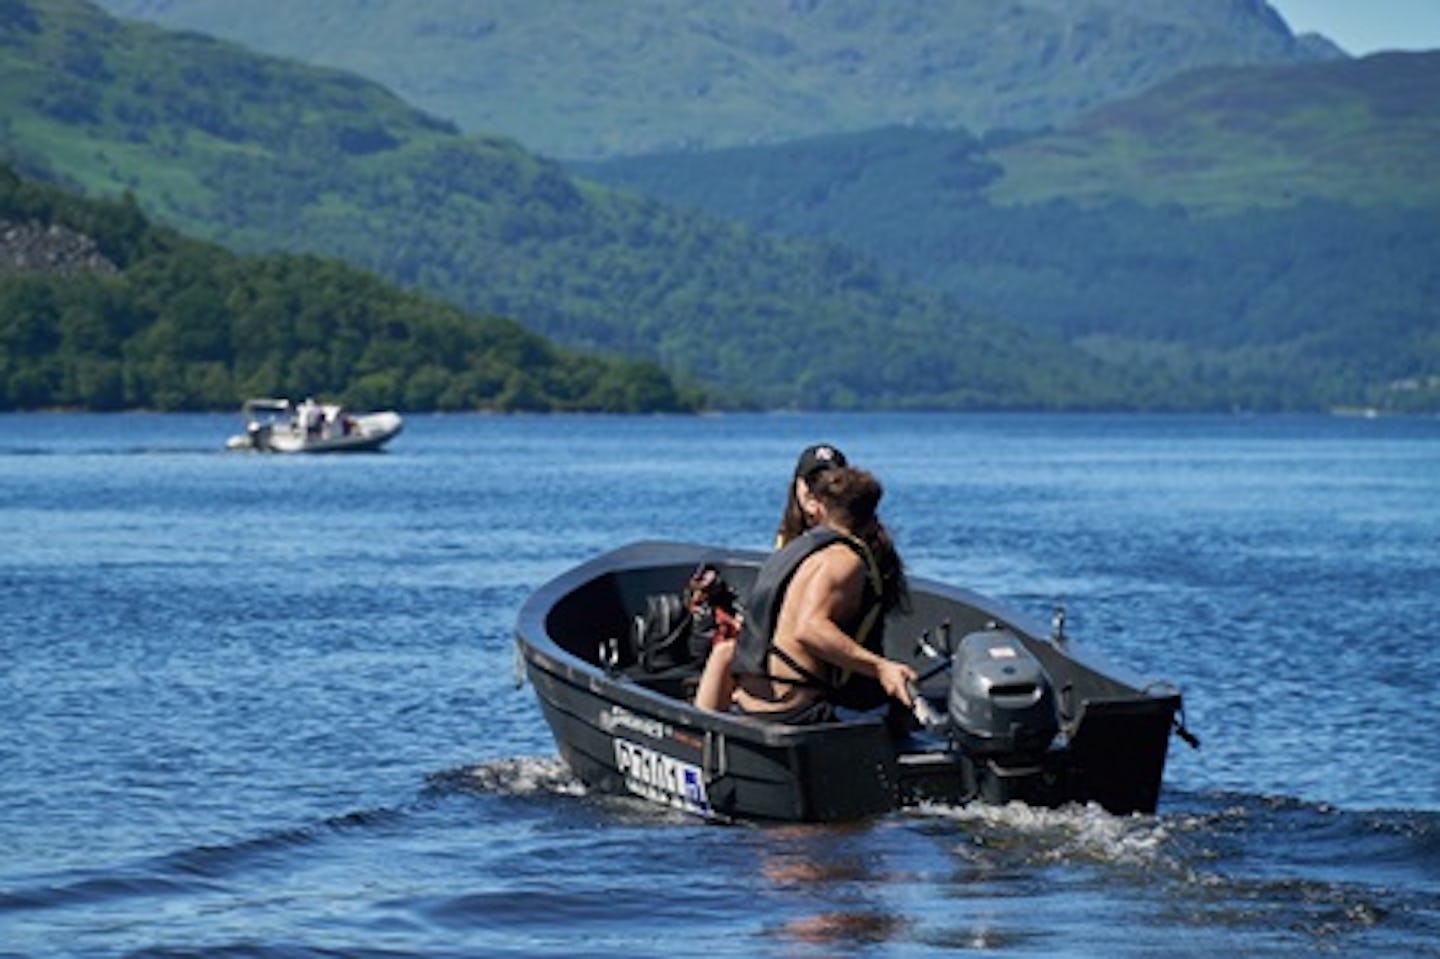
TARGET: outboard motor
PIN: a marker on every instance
(1001, 701)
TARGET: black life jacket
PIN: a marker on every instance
(755, 643)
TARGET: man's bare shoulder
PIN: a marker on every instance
(837, 561)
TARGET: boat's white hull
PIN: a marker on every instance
(367, 432)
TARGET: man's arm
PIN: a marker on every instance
(829, 592)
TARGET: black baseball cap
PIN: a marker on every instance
(818, 459)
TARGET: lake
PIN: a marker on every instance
(267, 706)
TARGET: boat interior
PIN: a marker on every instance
(595, 622)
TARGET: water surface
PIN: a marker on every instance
(267, 705)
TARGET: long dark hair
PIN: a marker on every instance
(813, 461)
(792, 520)
(852, 496)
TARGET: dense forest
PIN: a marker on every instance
(152, 319)
(258, 154)
(1269, 232)
(924, 269)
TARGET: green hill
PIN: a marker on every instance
(1272, 229)
(578, 78)
(261, 154)
(1365, 133)
(100, 309)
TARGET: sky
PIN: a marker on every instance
(1365, 26)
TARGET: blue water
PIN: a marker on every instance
(266, 706)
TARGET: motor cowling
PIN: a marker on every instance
(1001, 699)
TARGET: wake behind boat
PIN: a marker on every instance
(1005, 712)
(280, 426)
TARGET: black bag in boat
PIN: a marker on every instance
(680, 630)
(661, 637)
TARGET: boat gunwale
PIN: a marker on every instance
(540, 650)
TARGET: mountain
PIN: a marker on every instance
(1273, 227)
(586, 79)
(263, 154)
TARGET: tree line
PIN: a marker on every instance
(186, 325)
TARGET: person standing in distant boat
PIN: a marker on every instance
(813, 634)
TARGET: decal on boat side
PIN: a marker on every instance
(661, 778)
(618, 717)
(685, 739)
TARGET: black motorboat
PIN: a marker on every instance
(1008, 710)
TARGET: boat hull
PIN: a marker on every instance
(366, 434)
(625, 732)
(619, 743)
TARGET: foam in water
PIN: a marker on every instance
(1067, 834)
(517, 776)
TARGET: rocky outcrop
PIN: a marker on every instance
(27, 247)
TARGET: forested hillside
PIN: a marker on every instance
(1271, 227)
(261, 154)
(1177, 251)
(579, 78)
(99, 309)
